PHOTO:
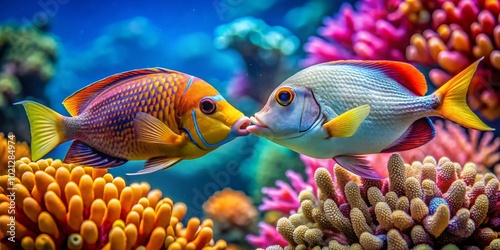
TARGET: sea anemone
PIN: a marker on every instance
(57, 205)
(429, 204)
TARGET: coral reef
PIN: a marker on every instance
(27, 59)
(58, 204)
(263, 48)
(429, 204)
(446, 34)
(234, 215)
(456, 143)
(21, 149)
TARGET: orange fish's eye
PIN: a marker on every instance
(284, 96)
(208, 106)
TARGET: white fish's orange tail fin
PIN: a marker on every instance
(47, 128)
(453, 104)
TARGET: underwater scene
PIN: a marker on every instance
(238, 124)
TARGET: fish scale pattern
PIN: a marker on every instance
(109, 118)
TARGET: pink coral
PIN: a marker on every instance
(375, 31)
(284, 197)
(268, 236)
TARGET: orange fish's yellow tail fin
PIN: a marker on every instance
(47, 128)
(453, 104)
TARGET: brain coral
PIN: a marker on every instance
(60, 205)
(426, 205)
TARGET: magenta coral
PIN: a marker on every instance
(268, 236)
(284, 198)
(373, 31)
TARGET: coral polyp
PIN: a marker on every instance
(429, 205)
(60, 205)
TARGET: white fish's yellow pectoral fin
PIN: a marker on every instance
(157, 163)
(151, 130)
(346, 124)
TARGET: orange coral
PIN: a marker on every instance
(21, 150)
(231, 207)
(60, 205)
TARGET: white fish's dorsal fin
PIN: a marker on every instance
(346, 124)
(403, 73)
(158, 163)
(79, 100)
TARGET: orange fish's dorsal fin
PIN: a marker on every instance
(419, 133)
(77, 102)
(403, 73)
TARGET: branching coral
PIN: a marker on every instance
(459, 145)
(428, 204)
(60, 205)
(21, 149)
(262, 47)
(233, 213)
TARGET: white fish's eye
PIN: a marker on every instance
(284, 96)
(208, 105)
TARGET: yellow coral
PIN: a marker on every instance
(61, 205)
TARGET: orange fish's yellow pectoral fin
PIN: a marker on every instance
(151, 130)
(157, 163)
(453, 104)
(346, 124)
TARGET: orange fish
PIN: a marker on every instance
(156, 114)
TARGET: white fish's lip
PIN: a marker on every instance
(258, 127)
(257, 122)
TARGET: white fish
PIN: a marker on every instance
(345, 109)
